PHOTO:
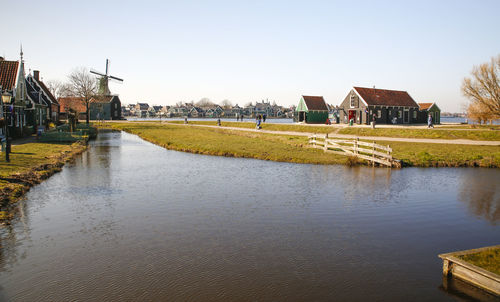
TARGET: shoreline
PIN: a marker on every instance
(15, 185)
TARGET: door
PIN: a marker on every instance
(302, 116)
(406, 116)
(352, 115)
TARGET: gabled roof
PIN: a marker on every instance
(315, 102)
(384, 97)
(102, 99)
(8, 74)
(35, 92)
(47, 91)
(73, 102)
(426, 106)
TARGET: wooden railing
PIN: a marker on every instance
(364, 150)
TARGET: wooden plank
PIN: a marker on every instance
(475, 278)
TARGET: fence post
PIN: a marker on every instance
(373, 154)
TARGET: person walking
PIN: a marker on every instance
(429, 122)
(264, 118)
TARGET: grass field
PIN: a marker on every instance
(214, 141)
(488, 260)
(437, 133)
(267, 126)
(453, 132)
(220, 141)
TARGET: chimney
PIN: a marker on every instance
(36, 75)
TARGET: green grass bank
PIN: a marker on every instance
(30, 163)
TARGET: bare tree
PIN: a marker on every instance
(249, 104)
(226, 104)
(204, 102)
(58, 88)
(84, 86)
(483, 89)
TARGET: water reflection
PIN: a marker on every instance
(482, 199)
(130, 220)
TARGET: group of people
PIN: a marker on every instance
(259, 119)
(239, 117)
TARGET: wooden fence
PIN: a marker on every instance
(364, 150)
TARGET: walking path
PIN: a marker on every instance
(348, 136)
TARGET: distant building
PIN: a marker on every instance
(312, 110)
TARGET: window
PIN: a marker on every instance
(379, 113)
(390, 112)
(116, 105)
(17, 119)
(353, 101)
(414, 114)
(400, 114)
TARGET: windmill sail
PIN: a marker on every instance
(104, 80)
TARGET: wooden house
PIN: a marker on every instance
(37, 104)
(363, 105)
(312, 110)
(54, 104)
(105, 108)
(429, 108)
(196, 112)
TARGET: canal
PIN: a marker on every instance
(129, 220)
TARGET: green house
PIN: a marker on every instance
(311, 110)
(431, 109)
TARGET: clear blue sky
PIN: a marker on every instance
(169, 51)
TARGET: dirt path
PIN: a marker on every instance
(334, 134)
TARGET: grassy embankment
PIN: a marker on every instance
(29, 164)
(224, 142)
(488, 260)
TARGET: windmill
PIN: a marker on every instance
(103, 81)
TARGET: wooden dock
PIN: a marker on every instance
(456, 267)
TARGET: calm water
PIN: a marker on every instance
(132, 221)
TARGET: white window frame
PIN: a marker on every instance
(400, 113)
(379, 113)
(353, 101)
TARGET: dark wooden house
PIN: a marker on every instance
(432, 109)
(363, 105)
(311, 110)
(105, 108)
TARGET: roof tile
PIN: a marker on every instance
(8, 74)
(315, 102)
(384, 97)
